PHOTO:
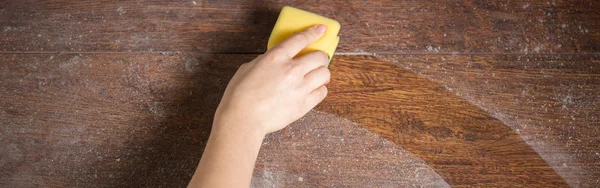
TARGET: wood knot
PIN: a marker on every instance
(440, 132)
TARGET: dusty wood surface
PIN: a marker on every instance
(134, 120)
(552, 101)
(242, 26)
(442, 93)
(466, 144)
(326, 150)
(107, 120)
(117, 119)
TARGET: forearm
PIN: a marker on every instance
(264, 96)
(229, 157)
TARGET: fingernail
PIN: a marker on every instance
(321, 28)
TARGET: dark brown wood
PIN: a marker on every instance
(462, 142)
(553, 101)
(107, 120)
(424, 93)
(325, 150)
(243, 26)
(134, 119)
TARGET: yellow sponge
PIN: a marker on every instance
(292, 20)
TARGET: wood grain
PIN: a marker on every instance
(72, 120)
(121, 93)
(323, 150)
(463, 143)
(234, 26)
(552, 100)
(133, 119)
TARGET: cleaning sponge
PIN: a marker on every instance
(292, 20)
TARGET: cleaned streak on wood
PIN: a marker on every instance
(125, 120)
(553, 101)
(322, 150)
(464, 144)
(102, 93)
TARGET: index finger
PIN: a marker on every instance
(293, 45)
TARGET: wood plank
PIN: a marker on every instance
(235, 26)
(463, 143)
(552, 100)
(323, 150)
(106, 120)
(134, 119)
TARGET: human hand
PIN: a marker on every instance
(276, 89)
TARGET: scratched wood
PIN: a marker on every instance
(238, 26)
(133, 119)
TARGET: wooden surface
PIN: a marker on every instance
(424, 93)
(466, 144)
(325, 150)
(241, 26)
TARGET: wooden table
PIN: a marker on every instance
(423, 93)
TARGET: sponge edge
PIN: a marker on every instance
(292, 20)
(331, 50)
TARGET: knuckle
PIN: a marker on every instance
(290, 70)
(273, 55)
(272, 51)
(290, 78)
(245, 66)
(296, 68)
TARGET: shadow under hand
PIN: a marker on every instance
(172, 153)
(169, 158)
(253, 35)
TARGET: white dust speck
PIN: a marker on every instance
(121, 11)
(300, 179)
(430, 48)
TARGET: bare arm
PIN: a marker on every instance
(264, 95)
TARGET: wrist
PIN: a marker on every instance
(231, 151)
(225, 120)
(224, 126)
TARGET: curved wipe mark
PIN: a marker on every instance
(464, 144)
(321, 149)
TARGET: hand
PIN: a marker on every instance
(276, 89)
